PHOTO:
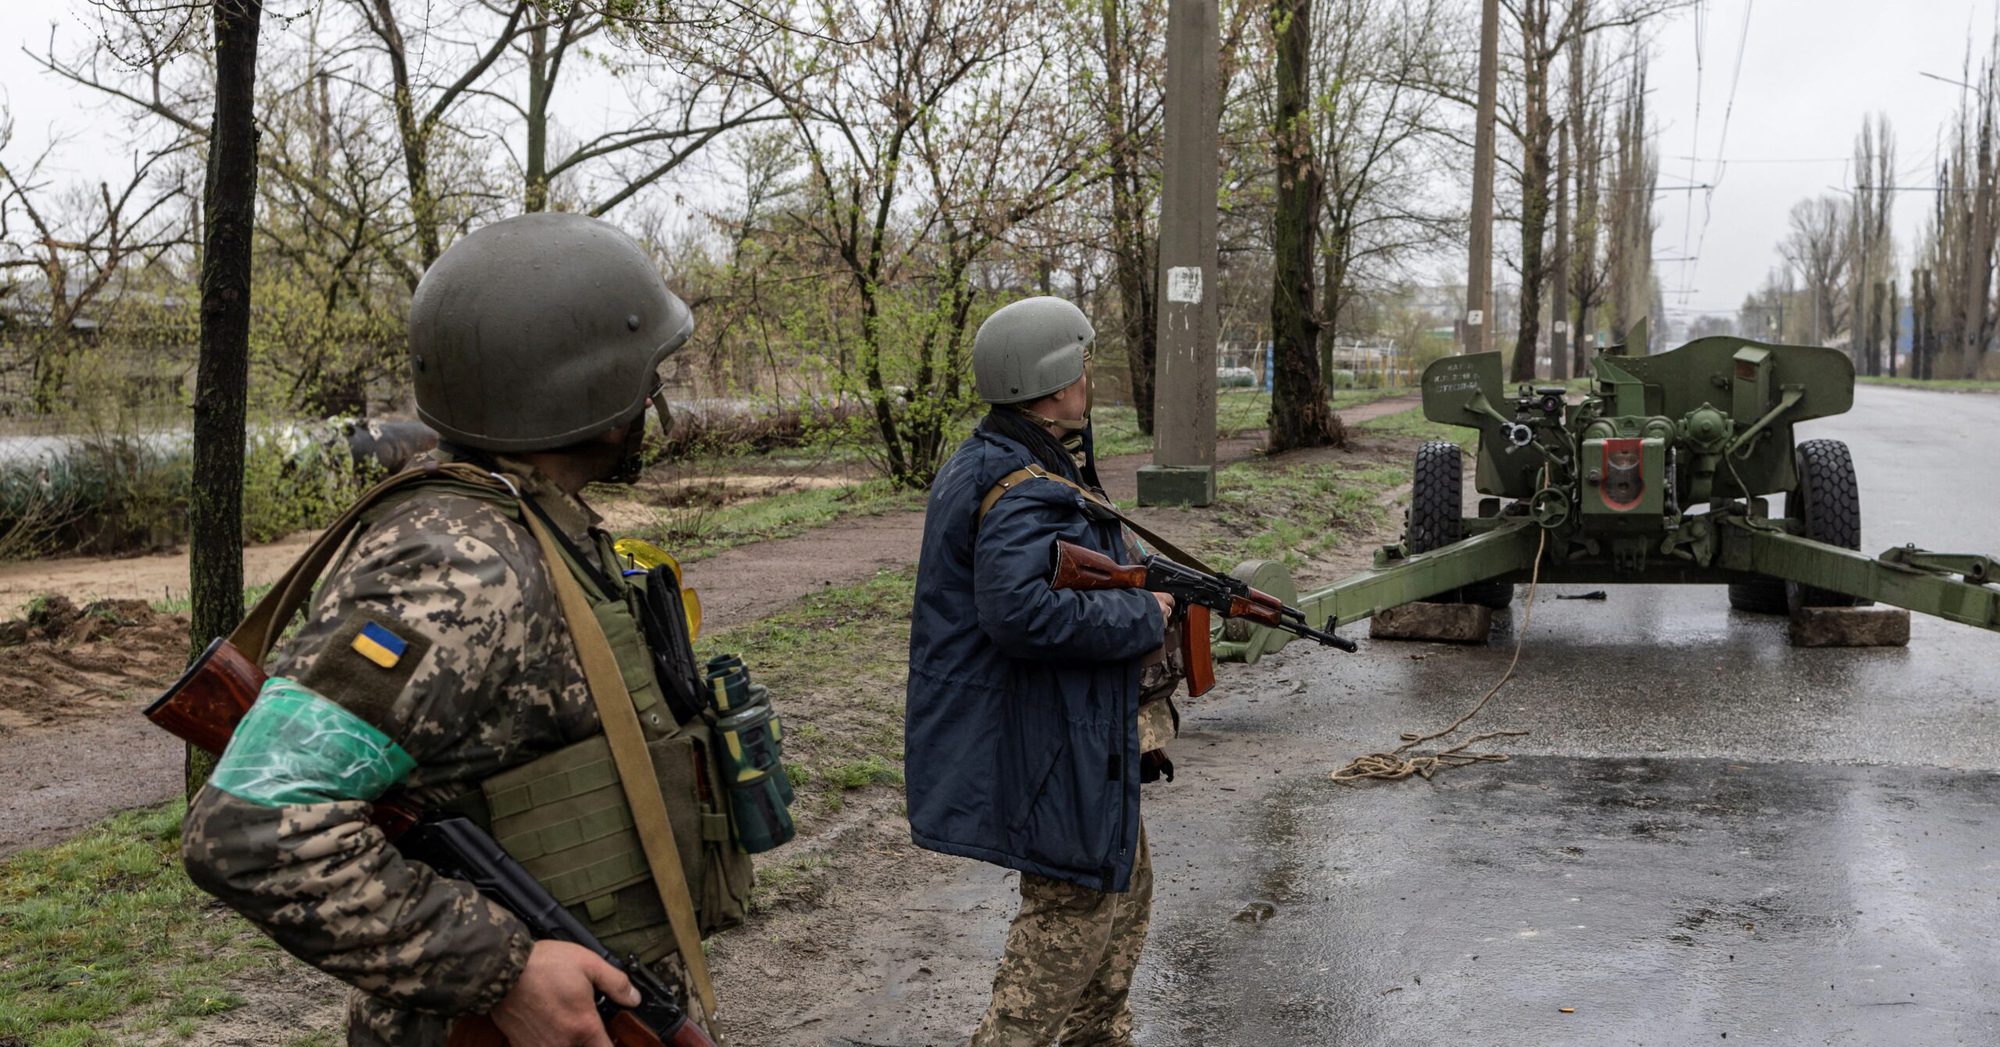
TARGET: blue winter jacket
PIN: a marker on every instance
(1021, 743)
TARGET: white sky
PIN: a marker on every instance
(1810, 70)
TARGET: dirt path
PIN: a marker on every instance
(162, 576)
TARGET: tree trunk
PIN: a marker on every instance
(1875, 329)
(1132, 258)
(1559, 281)
(1534, 220)
(1300, 416)
(215, 507)
(1895, 324)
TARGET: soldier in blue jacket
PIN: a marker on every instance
(1025, 728)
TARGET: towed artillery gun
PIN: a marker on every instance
(1662, 473)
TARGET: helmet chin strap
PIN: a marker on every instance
(632, 458)
(1070, 430)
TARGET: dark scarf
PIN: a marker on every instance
(1046, 449)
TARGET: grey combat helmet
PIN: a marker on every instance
(1029, 349)
(540, 331)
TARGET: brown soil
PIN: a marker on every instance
(72, 682)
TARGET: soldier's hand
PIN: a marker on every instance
(1166, 604)
(554, 1002)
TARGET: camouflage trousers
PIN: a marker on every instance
(1068, 967)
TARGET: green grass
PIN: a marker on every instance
(184, 603)
(1237, 411)
(105, 929)
(694, 532)
(835, 663)
(1292, 512)
(1949, 385)
(1414, 425)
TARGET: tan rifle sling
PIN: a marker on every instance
(635, 765)
(1036, 472)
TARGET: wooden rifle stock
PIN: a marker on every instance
(203, 707)
(1081, 568)
(625, 1030)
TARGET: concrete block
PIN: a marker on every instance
(1176, 485)
(1850, 627)
(1448, 622)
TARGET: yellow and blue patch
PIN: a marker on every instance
(380, 646)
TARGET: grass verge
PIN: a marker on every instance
(105, 931)
(835, 663)
(697, 531)
(1946, 385)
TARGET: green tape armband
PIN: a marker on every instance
(296, 747)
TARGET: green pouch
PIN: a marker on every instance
(565, 819)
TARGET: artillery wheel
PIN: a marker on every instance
(1828, 503)
(1437, 518)
(1759, 596)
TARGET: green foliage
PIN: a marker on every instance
(104, 936)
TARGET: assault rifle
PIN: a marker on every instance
(203, 707)
(1201, 592)
(458, 849)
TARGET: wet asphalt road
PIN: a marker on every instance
(1707, 837)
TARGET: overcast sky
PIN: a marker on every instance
(1810, 70)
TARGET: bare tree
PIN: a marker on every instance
(1874, 247)
(1629, 209)
(78, 247)
(1817, 247)
(925, 144)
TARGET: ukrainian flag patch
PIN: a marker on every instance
(379, 645)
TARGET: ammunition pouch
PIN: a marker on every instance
(564, 817)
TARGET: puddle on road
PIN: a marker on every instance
(1664, 901)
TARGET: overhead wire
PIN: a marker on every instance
(1687, 211)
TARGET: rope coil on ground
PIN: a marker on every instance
(1400, 763)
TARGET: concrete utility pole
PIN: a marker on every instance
(1183, 469)
(1559, 296)
(1479, 275)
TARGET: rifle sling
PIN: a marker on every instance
(1036, 472)
(635, 765)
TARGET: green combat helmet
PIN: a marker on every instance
(540, 331)
(1029, 349)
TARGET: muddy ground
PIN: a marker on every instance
(73, 750)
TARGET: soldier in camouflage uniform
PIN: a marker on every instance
(1033, 713)
(536, 343)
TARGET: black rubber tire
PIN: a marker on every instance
(1437, 518)
(1828, 504)
(1761, 596)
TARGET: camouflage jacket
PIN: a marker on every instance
(489, 680)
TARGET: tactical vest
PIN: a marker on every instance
(564, 815)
